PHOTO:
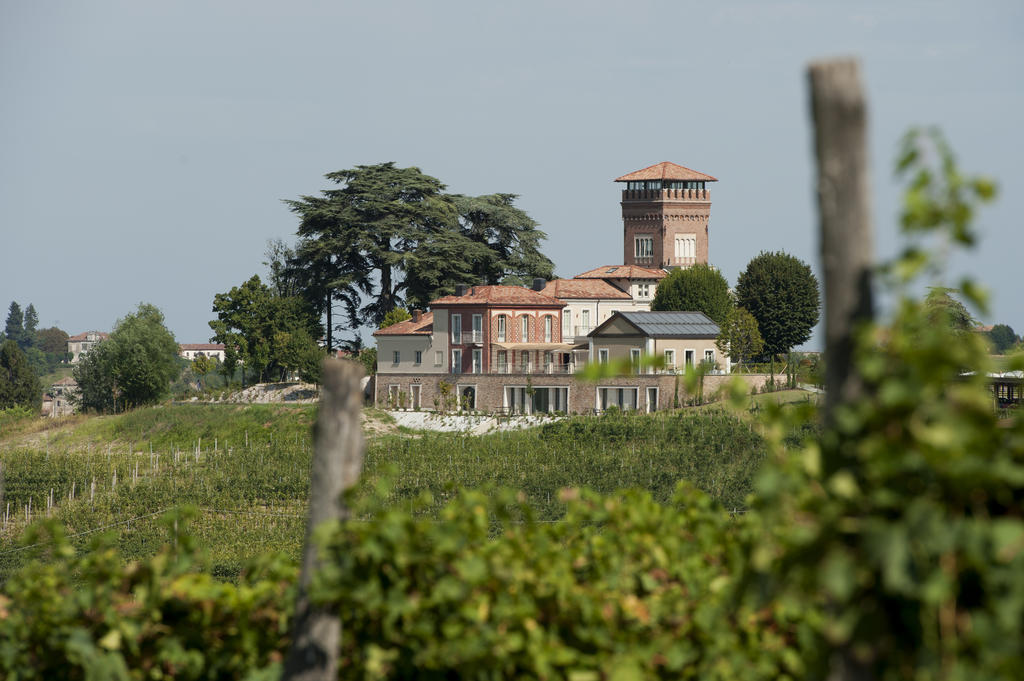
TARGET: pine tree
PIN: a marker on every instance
(19, 385)
(15, 323)
(29, 329)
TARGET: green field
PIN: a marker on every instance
(246, 470)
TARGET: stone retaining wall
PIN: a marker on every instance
(582, 395)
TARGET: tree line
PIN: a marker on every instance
(383, 237)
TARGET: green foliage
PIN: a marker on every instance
(625, 588)
(368, 358)
(715, 451)
(699, 288)
(135, 366)
(245, 467)
(740, 338)
(28, 332)
(158, 618)
(395, 316)
(511, 237)
(14, 329)
(19, 385)
(781, 293)
(903, 521)
(388, 235)
(1002, 337)
(52, 340)
(94, 374)
(944, 309)
(269, 334)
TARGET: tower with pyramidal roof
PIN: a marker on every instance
(665, 212)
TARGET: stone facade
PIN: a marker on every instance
(493, 393)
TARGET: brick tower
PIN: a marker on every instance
(665, 211)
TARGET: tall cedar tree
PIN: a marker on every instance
(19, 385)
(14, 329)
(388, 236)
(695, 289)
(781, 292)
(511, 236)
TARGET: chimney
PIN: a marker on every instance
(539, 283)
(417, 315)
(460, 290)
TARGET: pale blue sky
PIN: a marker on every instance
(145, 147)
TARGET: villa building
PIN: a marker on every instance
(80, 344)
(516, 349)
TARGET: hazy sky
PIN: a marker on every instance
(145, 147)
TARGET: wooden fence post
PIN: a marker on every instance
(840, 134)
(337, 462)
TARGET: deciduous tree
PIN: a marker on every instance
(781, 293)
(944, 308)
(1003, 338)
(399, 314)
(135, 366)
(740, 338)
(695, 289)
(250, 321)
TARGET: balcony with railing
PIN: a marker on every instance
(534, 368)
(468, 338)
(666, 194)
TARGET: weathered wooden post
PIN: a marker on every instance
(840, 140)
(337, 462)
(840, 134)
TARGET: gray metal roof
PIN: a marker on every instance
(673, 324)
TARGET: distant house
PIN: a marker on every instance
(191, 351)
(681, 339)
(80, 344)
(57, 401)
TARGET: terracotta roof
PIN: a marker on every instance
(67, 380)
(564, 289)
(424, 326)
(201, 346)
(666, 171)
(84, 335)
(622, 272)
(500, 295)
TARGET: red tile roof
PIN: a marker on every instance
(565, 289)
(424, 326)
(84, 335)
(622, 272)
(500, 295)
(666, 171)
